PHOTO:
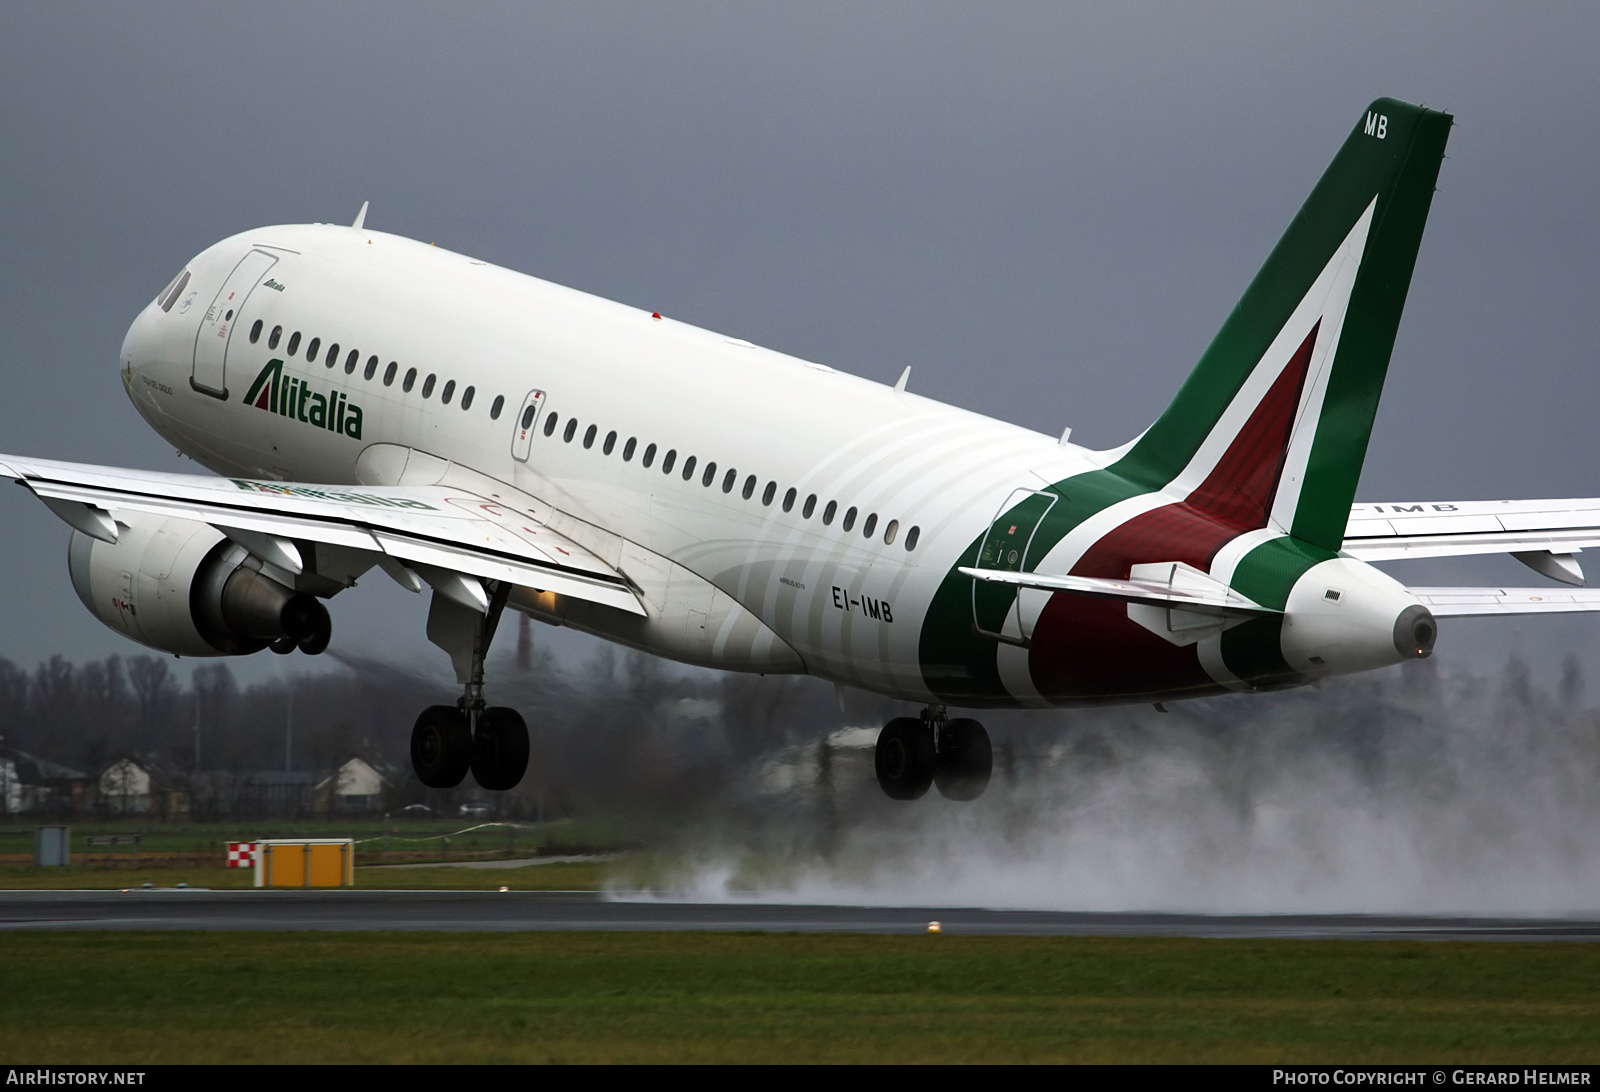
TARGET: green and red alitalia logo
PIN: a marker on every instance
(292, 397)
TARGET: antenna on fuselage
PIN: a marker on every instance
(361, 217)
(900, 384)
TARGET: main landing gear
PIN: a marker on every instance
(913, 754)
(448, 740)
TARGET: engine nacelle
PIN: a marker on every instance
(1345, 616)
(181, 586)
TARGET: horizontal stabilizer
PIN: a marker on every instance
(1217, 601)
(1486, 602)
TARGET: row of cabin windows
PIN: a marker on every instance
(708, 475)
(353, 358)
(730, 478)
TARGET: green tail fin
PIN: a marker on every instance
(1276, 416)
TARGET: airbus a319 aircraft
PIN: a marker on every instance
(509, 443)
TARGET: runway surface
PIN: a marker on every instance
(489, 911)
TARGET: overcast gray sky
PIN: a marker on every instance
(1045, 210)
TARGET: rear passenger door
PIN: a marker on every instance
(526, 421)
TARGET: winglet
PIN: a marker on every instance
(361, 217)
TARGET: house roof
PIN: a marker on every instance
(33, 770)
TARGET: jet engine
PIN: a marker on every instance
(181, 586)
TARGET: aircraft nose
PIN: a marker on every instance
(145, 348)
(137, 345)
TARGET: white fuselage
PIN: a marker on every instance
(717, 567)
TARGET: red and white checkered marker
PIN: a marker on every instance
(241, 854)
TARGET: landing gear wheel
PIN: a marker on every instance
(964, 762)
(441, 747)
(904, 758)
(499, 748)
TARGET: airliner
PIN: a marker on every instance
(370, 404)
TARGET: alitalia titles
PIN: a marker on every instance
(292, 397)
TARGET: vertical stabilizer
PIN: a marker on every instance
(1271, 427)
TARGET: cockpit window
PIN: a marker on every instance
(173, 291)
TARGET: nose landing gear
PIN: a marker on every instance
(913, 754)
(489, 740)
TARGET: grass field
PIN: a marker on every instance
(575, 876)
(134, 998)
(185, 844)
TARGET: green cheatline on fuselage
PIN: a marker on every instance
(1390, 162)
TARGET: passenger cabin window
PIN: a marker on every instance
(333, 354)
(351, 361)
(448, 393)
(889, 532)
(688, 468)
(388, 373)
(911, 538)
(849, 519)
(294, 342)
(499, 404)
(572, 430)
(649, 456)
(627, 449)
(749, 487)
(611, 442)
(788, 500)
(466, 398)
(827, 513)
(527, 417)
(371, 369)
(728, 480)
(810, 507)
(667, 461)
(255, 332)
(427, 384)
(410, 380)
(311, 350)
(870, 526)
(549, 423)
(272, 338)
(588, 437)
(769, 492)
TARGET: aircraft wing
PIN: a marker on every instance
(441, 534)
(1543, 534)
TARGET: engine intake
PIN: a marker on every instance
(181, 586)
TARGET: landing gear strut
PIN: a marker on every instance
(447, 741)
(914, 753)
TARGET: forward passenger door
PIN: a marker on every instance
(216, 328)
